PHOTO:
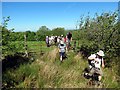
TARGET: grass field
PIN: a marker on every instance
(46, 71)
(33, 46)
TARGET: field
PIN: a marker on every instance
(28, 63)
(46, 71)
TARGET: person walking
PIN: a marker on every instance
(47, 41)
(69, 39)
(62, 50)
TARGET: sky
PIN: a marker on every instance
(59, 0)
(32, 15)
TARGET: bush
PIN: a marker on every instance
(88, 48)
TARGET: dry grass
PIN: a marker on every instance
(57, 76)
(51, 55)
(51, 73)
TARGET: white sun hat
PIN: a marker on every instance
(61, 42)
(101, 53)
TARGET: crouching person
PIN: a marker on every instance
(62, 50)
(97, 60)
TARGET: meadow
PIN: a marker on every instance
(41, 68)
(46, 70)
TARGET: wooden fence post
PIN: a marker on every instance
(25, 45)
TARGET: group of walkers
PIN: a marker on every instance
(62, 42)
(50, 40)
(95, 61)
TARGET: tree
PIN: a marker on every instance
(102, 32)
(30, 35)
(42, 33)
(7, 36)
(58, 31)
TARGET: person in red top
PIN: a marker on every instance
(65, 39)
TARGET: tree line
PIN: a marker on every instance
(39, 35)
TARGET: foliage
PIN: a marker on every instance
(87, 48)
(58, 31)
(30, 36)
(42, 33)
(5, 36)
(101, 32)
(9, 48)
(17, 36)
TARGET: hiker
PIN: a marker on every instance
(95, 63)
(69, 39)
(62, 49)
(66, 42)
(61, 38)
(58, 39)
(55, 40)
(65, 39)
(47, 41)
(51, 40)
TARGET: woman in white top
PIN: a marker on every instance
(62, 49)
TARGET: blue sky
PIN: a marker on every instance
(32, 15)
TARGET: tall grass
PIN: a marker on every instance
(48, 72)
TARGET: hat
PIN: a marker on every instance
(62, 35)
(61, 42)
(101, 53)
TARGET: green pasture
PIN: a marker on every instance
(33, 46)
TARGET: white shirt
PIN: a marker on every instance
(62, 48)
(96, 61)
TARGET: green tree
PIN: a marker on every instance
(58, 31)
(42, 33)
(7, 36)
(30, 35)
(102, 32)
